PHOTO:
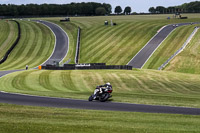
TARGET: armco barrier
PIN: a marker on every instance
(87, 67)
(78, 45)
(14, 44)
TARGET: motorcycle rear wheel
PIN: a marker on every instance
(104, 97)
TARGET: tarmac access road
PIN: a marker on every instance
(3, 73)
(145, 53)
(22, 99)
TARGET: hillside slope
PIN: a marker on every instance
(8, 34)
(172, 43)
(34, 47)
(188, 61)
(141, 86)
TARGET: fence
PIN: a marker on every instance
(86, 66)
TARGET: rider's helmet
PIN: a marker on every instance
(108, 83)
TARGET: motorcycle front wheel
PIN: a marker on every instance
(90, 98)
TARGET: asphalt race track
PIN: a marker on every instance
(83, 104)
(22, 99)
(61, 48)
(145, 53)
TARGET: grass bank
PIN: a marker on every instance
(136, 86)
(8, 35)
(172, 43)
(34, 47)
(114, 44)
(188, 61)
(17, 119)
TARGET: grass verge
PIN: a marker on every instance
(188, 61)
(137, 86)
(17, 119)
(172, 43)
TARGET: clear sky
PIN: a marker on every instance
(136, 5)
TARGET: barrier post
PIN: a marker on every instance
(39, 67)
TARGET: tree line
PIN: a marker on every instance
(82, 9)
(127, 10)
(192, 7)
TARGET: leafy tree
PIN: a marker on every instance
(152, 10)
(127, 10)
(118, 9)
(108, 8)
(160, 9)
(100, 11)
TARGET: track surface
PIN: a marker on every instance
(62, 45)
(2, 73)
(81, 104)
(145, 53)
(21, 99)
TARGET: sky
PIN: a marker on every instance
(138, 6)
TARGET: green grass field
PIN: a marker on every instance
(35, 46)
(112, 45)
(8, 34)
(116, 44)
(18, 119)
(136, 86)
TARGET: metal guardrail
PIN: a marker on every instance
(14, 44)
(179, 50)
(78, 45)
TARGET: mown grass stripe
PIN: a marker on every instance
(94, 44)
(67, 81)
(11, 37)
(99, 77)
(104, 47)
(32, 81)
(93, 33)
(117, 54)
(124, 53)
(44, 80)
(41, 46)
(100, 37)
(23, 53)
(19, 82)
(4, 31)
(35, 46)
(77, 80)
(137, 83)
(19, 50)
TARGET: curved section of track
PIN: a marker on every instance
(145, 53)
(61, 47)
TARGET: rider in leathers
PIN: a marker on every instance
(105, 87)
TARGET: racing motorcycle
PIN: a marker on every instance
(101, 94)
